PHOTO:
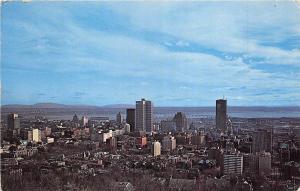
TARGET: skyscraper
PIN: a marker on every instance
(75, 119)
(130, 118)
(13, 121)
(232, 164)
(156, 148)
(181, 121)
(262, 140)
(251, 164)
(264, 163)
(144, 115)
(221, 114)
(36, 135)
(119, 118)
(84, 121)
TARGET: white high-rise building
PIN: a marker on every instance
(144, 115)
(156, 148)
(85, 121)
(232, 164)
(36, 135)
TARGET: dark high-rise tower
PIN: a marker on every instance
(181, 121)
(119, 118)
(221, 114)
(262, 140)
(13, 121)
(75, 119)
(130, 118)
(144, 115)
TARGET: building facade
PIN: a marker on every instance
(232, 164)
(262, 140)
(13, 121)
(130, 118)
(221, 114)
(84, 121)
(264, 164)
(180, 121)
(168, 143)
(198, 139)
(119, 118)
(156, 148)
(167, 126)
(36, 135)
(144, 115)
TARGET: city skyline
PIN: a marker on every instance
(172, 53)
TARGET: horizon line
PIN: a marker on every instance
(89, 105)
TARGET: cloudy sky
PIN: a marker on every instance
(173, 53)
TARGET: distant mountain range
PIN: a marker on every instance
(62, 111)
(60, 106)
(113, 106)
(119, 106)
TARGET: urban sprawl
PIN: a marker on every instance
(136, 152)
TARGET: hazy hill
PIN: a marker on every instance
(63, 106)
(119, 106)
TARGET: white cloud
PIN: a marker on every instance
(225, 27)
(182, 43)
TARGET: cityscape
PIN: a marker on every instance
(133, 151)
(150, 95)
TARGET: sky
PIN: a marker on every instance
(174, 53)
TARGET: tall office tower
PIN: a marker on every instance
(119, 118)
(29, 135)
(144, 115)
(180, 121)
(262, 140)
(264, 164)
(232, 164)
(284, 153)
(130, 118)
(156, 148)
(13, 121)
(75, 119)
(250, 164)
(36, 135)
(221, 114)
(84, 121)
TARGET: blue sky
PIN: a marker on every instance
(173, 53)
